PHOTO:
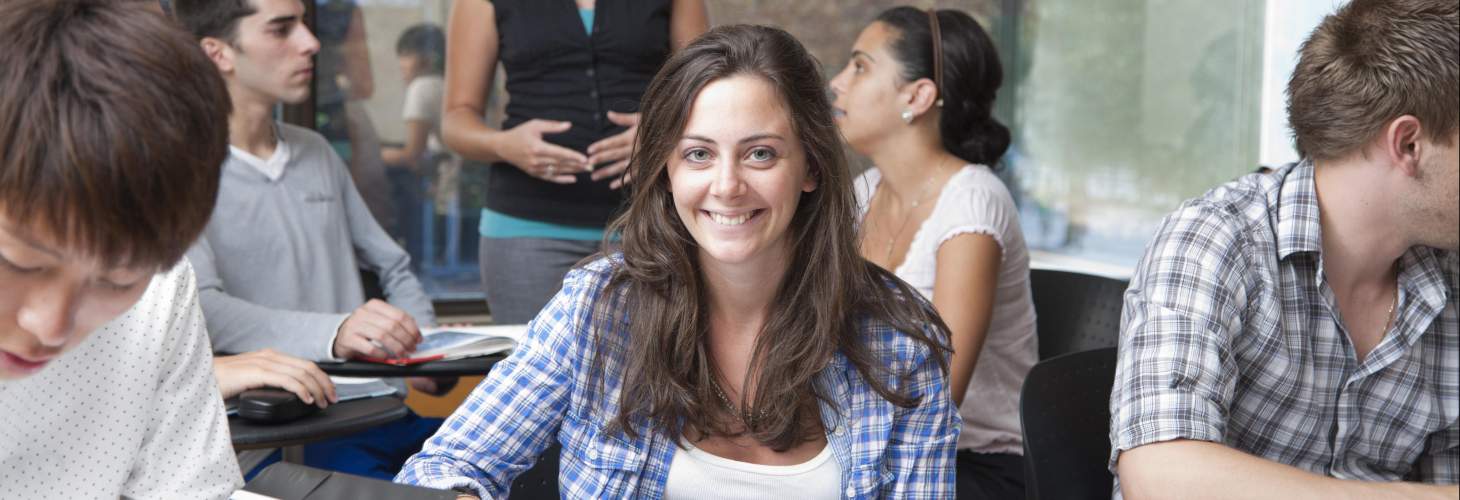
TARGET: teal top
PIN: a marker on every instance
(499, 225)
(587, 15)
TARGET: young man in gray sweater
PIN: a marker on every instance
(278, 264)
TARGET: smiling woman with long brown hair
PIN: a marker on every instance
(735, 342)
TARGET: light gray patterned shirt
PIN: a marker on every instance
(131, 412)
(1231, 334)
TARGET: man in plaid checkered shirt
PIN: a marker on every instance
(1294, 334)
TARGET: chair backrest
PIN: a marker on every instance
(1064, 409)
(1075, 312)
(541, 480)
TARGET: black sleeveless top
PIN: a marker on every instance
(556, 71)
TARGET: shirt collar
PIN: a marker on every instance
(1427, 274)
(1298, 228)
(273, 167)
(1422, 270)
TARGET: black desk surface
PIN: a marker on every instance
(286, 480)
(454, 368)
(339, 419)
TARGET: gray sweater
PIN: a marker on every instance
(278, 265)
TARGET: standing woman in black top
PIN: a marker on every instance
(575, 74)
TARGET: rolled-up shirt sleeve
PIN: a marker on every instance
(1175, 376)
(508, 420)
(1440, 463)
(922, 449)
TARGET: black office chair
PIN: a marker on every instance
(541, 481)
(370, 282)
(1075, 312)
(1064, 408)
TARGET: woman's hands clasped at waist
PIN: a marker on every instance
(524, 147)
(615, 150)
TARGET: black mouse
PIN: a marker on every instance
(273, 406)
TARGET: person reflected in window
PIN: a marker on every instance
(1295, 334)
(106, 177)
(421, 53)
(917, 98)
(735, 342)
(343, 83)
(575, 74)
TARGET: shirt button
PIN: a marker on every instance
(593, 453)
(841, 431)
(851, 492)
(589, 72)
(593, 94)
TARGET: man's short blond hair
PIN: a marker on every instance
(1371, 62)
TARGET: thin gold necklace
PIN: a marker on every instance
(1390, 316)
(892, 242)
(747, 417)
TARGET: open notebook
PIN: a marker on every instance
(460, 342)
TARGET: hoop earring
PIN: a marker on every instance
(907, 116)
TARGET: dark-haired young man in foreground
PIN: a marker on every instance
(109, 166)
(1294, 334)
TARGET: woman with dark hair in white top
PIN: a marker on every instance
(916, 97)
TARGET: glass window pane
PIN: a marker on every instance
(1119, 109)
(1122, 109)
(366, 100)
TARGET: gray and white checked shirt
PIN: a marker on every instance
(1231, 334)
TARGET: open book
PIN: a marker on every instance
(460, 342)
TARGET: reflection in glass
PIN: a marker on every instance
(378, 96)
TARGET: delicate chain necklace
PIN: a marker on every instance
(911, 209)
(746, 417)
(1390, 316)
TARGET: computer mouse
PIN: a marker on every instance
(273, 406)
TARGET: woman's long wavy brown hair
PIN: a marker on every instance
(659, 291)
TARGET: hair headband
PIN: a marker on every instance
(937, 54)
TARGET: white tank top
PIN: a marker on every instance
(695, 473)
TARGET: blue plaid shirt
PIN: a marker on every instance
(1231, 335)
(546, 391)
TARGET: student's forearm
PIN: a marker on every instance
(1202, 470)
(395, 157)
(468, 136)
(964, 288)
(378, 252)
(238, 326)
(417, 133)
(966, 348)
(404, 290)
(471, 64)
